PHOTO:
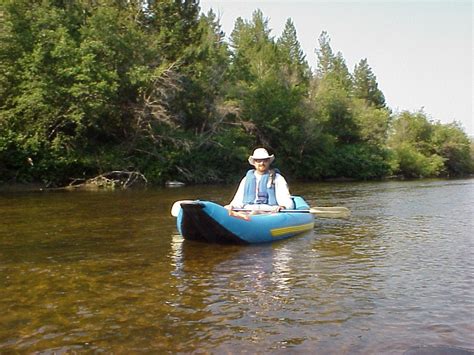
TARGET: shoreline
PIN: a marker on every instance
(41, 187)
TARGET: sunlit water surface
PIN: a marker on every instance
(107, 272)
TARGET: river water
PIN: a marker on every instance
(107, 272)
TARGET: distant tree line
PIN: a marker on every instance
(89, 86)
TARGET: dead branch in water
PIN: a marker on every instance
(110, 180)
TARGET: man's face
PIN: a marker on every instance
(262, 165)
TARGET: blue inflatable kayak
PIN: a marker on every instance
(209, 222)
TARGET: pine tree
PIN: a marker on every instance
(175, 25)
(332, 94)
(325, 55)
(292, 56)
(365, 85)
(253, 49)
(332, 68)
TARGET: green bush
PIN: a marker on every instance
(359, 161)
(411, 163)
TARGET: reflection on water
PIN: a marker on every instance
(107, 272)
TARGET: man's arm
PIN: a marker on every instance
(282, 192)
(238, 200)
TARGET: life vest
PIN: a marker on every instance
(266, 194)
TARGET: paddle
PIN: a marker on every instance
(323, 212)
(330, 212)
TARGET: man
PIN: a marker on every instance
(262, 188)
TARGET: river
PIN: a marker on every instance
(107, 272)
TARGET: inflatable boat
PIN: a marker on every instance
(210, 222)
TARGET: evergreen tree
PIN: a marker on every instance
(271, 101)
(325, 55)
(365, 85)
(332, 94)
(340, 73)
(331, 68)
(175, 25)
(253, 49)
(293, 59)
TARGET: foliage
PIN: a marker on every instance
(359, 161)
(153, 86)
(452, 144)
(372, 122)
(426, 149)
(412, 163)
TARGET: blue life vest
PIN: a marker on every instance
(266, 195)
